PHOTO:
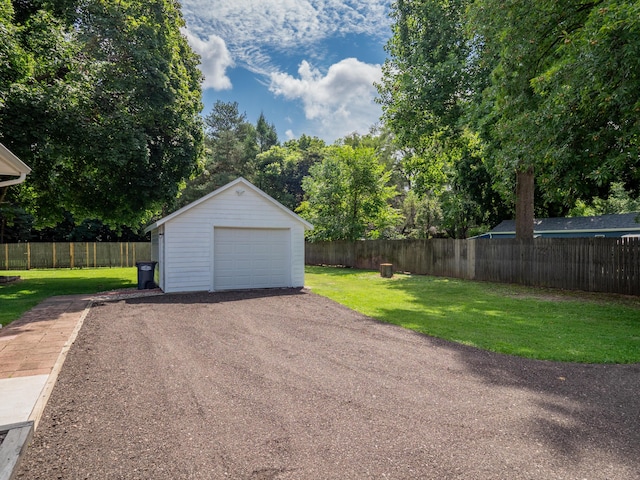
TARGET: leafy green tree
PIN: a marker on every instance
(105, 109)
(618, 201)
(273, 173)
(551, 86)
(590, 99)
(280, 170)
(563, 99)
(348, 197)
(422, 215)
(382, 140)
(427, 78)
(524, 37)
(15, 224)
(431, 80)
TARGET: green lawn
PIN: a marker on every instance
(36, 285)
(534, 323)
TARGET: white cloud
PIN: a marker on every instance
(250, 27)
(266, 37)
(339, 102)
(215, 59)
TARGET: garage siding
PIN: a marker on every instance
(188, 237)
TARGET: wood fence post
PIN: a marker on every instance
(471, 259)
(28, 256)
(53, 252)
(71, 255)
(592, 267)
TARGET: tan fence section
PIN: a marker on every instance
(25, 256)
(592, 264)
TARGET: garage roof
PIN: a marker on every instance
(239, 183)
(10, 165)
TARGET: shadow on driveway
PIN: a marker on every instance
(290, 385)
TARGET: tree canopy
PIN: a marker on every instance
(347, 196)
(102, 100)
(550, 87)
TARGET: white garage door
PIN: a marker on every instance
(251, 258)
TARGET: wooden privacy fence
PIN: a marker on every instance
(592, 264)
(25, 256)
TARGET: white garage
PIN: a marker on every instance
(234, 238)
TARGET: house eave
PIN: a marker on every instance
(12, 166)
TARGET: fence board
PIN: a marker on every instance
(609, 265)
(25, 256)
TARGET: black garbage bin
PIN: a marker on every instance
(146, 272)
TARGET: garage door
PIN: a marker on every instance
(251, 258)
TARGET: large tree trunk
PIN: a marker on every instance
(524, 204)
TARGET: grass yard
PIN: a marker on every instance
(535, 323)
(36, 285)
(529, 322)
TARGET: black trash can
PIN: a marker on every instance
(146, 271)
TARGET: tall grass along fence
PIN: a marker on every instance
(591, 264)
(25, 256)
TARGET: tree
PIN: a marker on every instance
(280, 169)
(563, 100)
(279, 172)
(432, 77)
(275, 173)
(427, 77)
(266, 134)
(105, 110)
(618, 201)
(233, 145)
(551, 86)
(347, 196)
(590, 99)
(421, 215)
(231, 140)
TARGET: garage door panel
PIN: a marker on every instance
(251, 258)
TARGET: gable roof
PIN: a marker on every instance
(11, 165)
(622, 221)
(237, 182)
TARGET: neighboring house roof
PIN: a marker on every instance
(238, 183)
(12, 166)
(603, 223)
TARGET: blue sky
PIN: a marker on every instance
(308, 65)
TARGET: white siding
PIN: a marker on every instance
(155, 254)
(188, 237)
(297, 255)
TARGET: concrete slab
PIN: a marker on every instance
(18, 396)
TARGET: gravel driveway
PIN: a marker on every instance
(289, 385)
